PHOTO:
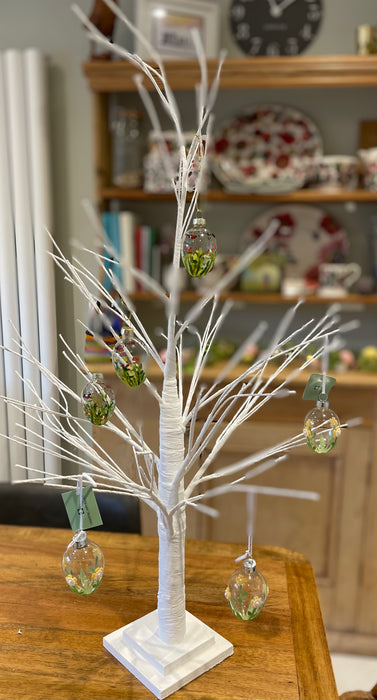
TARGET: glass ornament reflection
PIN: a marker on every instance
(98, 400)
(83, 564)
(321, 424)
(127, 359)
(322, 428)
(247, 591)
(199, 249)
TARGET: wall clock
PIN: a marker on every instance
(274, 27)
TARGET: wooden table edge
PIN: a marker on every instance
(313, 661)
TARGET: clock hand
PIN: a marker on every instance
(285, 4)
(274, 8)
(277, 10)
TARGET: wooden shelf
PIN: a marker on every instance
(298, 196)
(244, 73)
(108, 76)
(349, 379)
(105, 77)
(271, 298)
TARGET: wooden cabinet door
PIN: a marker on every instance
(306, 526)
(328, 531)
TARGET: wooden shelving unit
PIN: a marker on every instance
(244, 73)
(215, 195)
(271, 298)
(105, 77)
(303, 72)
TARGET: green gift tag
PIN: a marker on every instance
(313, 390)
(91, 517)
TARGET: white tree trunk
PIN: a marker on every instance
(171, 587)
(171, 592)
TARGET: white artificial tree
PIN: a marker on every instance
(175, 477)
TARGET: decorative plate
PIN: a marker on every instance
(307, 236)
(267, 149)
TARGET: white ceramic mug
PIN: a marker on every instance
(335, 279)
(368, 160)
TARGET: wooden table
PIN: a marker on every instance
(51, 639)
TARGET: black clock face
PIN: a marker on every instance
(275, 27)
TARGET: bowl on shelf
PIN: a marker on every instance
(336, 172)
(258, 176)
(265, 149)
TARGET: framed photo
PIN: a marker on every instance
(168, 27)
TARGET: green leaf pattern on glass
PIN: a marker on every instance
(321, 441)
(321, 445)
(131, 373)
(99, 409)
(241, 609)
(198, 263)
(84, 585)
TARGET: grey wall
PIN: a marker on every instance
(51, 26)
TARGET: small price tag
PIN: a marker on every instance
(91, 517)
(313, 389)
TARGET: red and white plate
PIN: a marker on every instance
(268, 149)
(306, 236)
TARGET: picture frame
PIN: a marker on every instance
(168, 24)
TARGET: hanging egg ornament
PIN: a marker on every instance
(321, 424)
(322, 428)
(98, 400)
(126, 358)
(246, 591)
(83, 564)
(199, 249)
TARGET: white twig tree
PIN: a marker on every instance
(174, 478)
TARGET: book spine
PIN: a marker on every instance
(146, 248)
(111, 247)
(127, 225)
(106, 221)
(138, 254)
(117, 270)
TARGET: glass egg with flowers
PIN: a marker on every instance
(199, 248)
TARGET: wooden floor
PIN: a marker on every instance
(354, 672)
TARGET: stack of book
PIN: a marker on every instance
(127, 245)
(94, 351)
(131, 245)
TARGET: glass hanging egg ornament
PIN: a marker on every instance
(83, 564)
(98, 400)
(127, 359)
(321, 424)
(246, 591)
(199, 248)
(322, 428)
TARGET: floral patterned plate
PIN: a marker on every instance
(307, 236)
(267, 149)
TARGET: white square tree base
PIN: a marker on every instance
(163, 668)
